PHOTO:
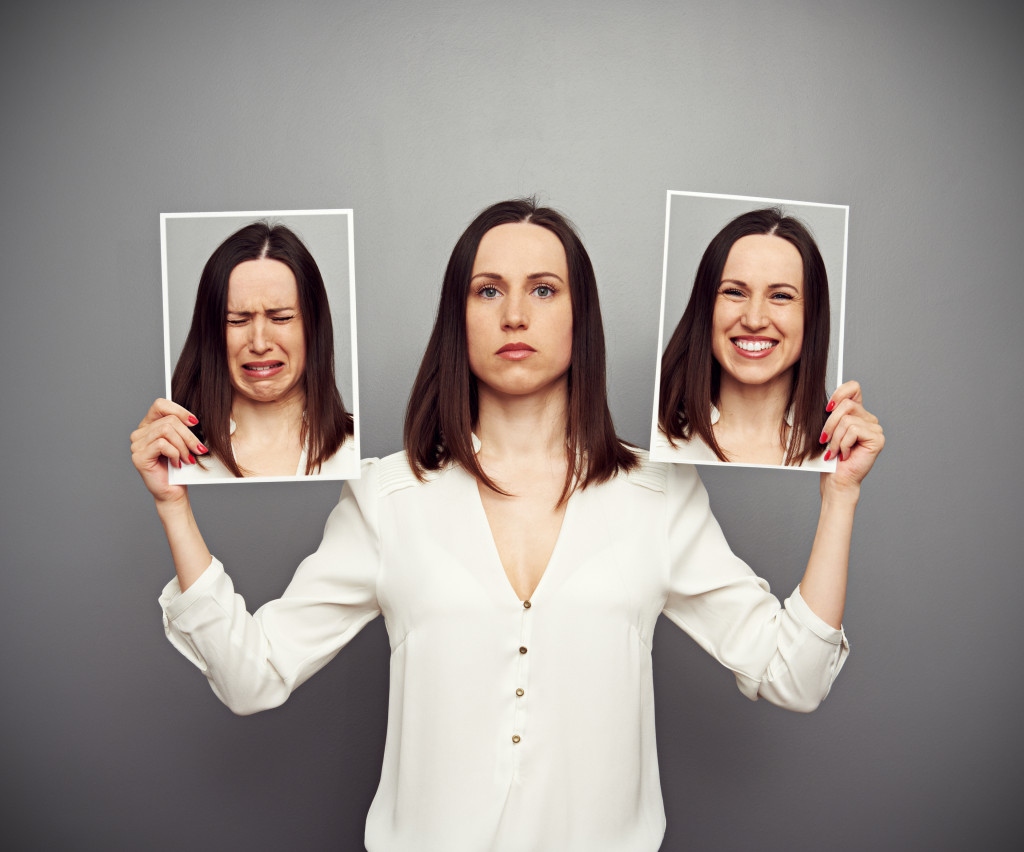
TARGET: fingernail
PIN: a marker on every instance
(830, 406)
(193, 420)
(824, 438)
(828, 455)
(201, 449)
(191, 459)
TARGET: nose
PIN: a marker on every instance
(755, 315)
(259, 336)
(515, 311)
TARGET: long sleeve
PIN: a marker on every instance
(254, 661)
(785, 654)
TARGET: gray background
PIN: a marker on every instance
(416, 115)
(693, 223)
(191, 240)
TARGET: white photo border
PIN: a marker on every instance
(838, 312)
(341, 297)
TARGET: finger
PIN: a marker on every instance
(856, 431)
(845, 408)
(167, 431)
(154, 453)
(847, 390)
(163, 408)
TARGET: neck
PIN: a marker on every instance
(268, 422)
(757, 408)
(523, 427)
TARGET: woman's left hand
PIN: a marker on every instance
(853, 436)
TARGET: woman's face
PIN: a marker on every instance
(266, 344)
(758, 325)
(519, 310)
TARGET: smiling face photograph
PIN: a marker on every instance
(267, 348)
(746, 370)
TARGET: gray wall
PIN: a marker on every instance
(416, 115)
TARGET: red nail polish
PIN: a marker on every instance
(192, 420)
(824, 438)
(830, 406)
(202, 449)
(191, 459)
(828, 455)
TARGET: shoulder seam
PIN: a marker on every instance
(395, 474)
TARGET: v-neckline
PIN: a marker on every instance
(496, 555)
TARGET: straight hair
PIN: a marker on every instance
(201, 381)
(690, 375)
(443, 406)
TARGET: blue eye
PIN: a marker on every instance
(488, 292)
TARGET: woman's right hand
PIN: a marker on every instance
(164, 438)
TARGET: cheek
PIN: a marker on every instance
(719, 324)
(474, 335)
(566, 328)
(797, 332)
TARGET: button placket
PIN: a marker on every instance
(522, 678)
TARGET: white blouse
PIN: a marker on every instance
(513, 725)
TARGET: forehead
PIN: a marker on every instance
(764, 259)
(262, 283)
(520, 248)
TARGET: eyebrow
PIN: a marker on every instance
(533, 276)
(267, 311)
(774, 286)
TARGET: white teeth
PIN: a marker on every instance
(755, 345)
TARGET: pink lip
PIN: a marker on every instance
(515, 351)
(754, 356)
(258, 369)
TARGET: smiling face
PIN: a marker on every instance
(758, 324)
(266, 344)
(519, 311)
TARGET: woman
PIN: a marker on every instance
(743, 376)
(257, 367)
(520, 555)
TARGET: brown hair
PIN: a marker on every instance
(690, 375)
(443, 405)
(201, 382)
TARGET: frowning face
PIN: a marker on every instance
(758, 324)
(266, 344)
(519, 310)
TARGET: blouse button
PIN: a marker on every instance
(522, 649)
(515, 738)
(520, 692)
(527, 604)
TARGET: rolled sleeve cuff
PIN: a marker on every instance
(800, 610)
(810, 655)
(185, 611)
(173, 601)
